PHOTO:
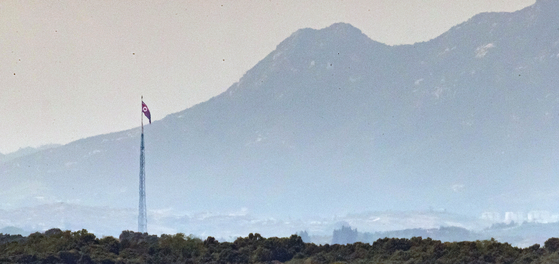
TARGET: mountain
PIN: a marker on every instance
(25, 151)
(332, 122)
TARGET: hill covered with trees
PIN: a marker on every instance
(57, 246)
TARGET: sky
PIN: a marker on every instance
(74, 69)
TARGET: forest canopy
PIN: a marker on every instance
(57, 246)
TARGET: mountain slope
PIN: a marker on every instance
(333, 122)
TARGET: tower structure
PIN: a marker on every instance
(142, 211)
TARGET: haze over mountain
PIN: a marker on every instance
(332, 122)
(25, 151)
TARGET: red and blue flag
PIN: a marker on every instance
(145, 109)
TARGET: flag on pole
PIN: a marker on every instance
(146, 111)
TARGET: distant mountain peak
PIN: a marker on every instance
(305, 49)
(335, 32)
(341, 27)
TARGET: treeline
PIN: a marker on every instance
(56, 246)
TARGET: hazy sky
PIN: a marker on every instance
(74, 69)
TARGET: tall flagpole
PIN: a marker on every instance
(142, 214)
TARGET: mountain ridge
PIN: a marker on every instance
(333, 122)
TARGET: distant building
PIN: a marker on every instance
(344, 236)
(540, 217)
(493, 217)
(517, 217)
(304, 236)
